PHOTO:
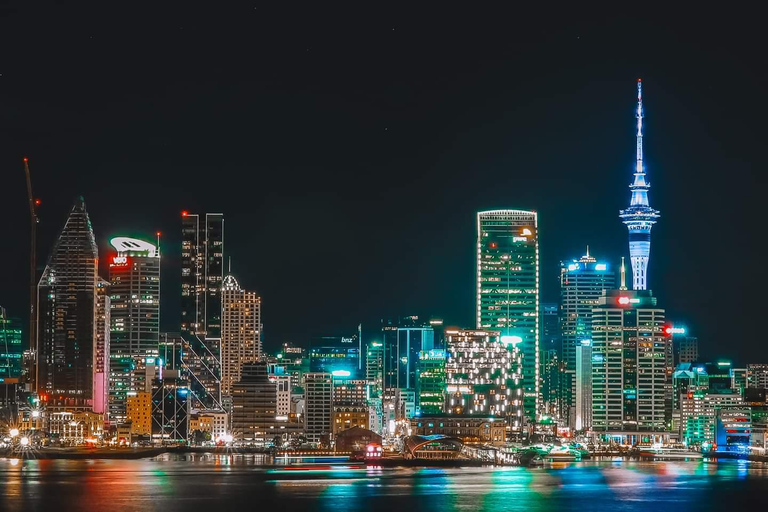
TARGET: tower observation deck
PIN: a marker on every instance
(639, 217)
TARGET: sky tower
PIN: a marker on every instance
(639, 217)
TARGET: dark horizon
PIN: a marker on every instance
(350, 150)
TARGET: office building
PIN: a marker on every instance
(508, 288)
(212, 424)
(686, 349)
(240, 331)
(374, 368)
(699, 409)
(629, 368)
(11, 349)
(350, 404)
(202, 275)
(101, 360)
(430, 381)
(66, 344)
(483, 375)
(639, 217)
(403, 339)
(254, 406)
(134, 297)
(583, 388)
(318, 407)
(170, 407)
(757, 376)
(339, 354)
(552, 380)
(139, 412)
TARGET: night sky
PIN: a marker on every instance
(350, 149)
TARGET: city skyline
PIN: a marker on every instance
(510, 131)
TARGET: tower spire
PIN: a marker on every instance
(623, 285)
(639, 217)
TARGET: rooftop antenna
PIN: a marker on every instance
(33, 221)
(229, 270)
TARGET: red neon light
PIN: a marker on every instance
(37, 202)
(158, 233)
(623, 300)
(184, 213)
(26, 159)
(494, 245)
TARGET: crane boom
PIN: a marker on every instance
(33, 220)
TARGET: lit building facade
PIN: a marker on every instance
(402, 341)
(757, 376)
(318, 407)
(483, 375)
(134, 298)
(66, 343)
(139, 412)
(340, 354)
(11, 349)
(508, 287)
(101, 354)
(170, 407)
(202, 275)
(240, 331)
(629, 367)
(699, 409)
(350, 405)
(639, 217)
(254, 406)
(430, 381)
(583, 391)
(374, 368)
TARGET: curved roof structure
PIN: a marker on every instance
(230, 283)
(414, 443)
(127, 244)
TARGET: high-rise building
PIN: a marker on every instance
(101, 361)
(582, 283)
(403, 340)
(639, 217)
(699, 410)
(583, 388)
(254, 405)
(350, 405)
(374, 368)
(11, 349)
(483, 375)
(686, 349)
(757, 375)
(240, 331)
(430, 381)
(66, 342)
(318, 407)
(134, 292)
(629, 367)
(202, 274)
(508, 287)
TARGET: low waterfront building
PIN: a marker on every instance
(356, 438)
(471, 429)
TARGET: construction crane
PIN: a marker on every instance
(33, 220)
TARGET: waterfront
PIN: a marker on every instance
(242, 482)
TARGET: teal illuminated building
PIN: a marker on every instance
(508, 288)
(337, 355)
(10, 346)
(430, 381)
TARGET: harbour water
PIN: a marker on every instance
(215, 483)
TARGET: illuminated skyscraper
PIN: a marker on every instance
(582, 283)
(66, 341)
(403, 340)
(639, 217)
(629, 367)
(202, 274)
(134, 274)
(240, 331)
(508, 287)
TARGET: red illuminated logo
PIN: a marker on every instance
(623, 300)
(119, 261)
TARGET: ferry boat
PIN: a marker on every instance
(664, 453)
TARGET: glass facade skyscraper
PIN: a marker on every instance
(403, 340)
(202, 275)
(508, 288)
(11, 348)
(67, 311)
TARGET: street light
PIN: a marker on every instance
(14, 432)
